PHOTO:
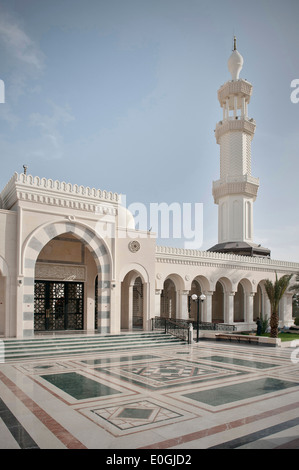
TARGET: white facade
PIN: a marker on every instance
(70, 257)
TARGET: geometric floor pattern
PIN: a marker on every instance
(199, 396)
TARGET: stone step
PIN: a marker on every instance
(14, 349)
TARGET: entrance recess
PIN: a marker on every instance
(58, 305)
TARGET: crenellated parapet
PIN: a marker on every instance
(59, 193)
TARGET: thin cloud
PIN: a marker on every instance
(50, 144)
(19, 44)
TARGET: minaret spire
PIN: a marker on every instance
(236, 190)
(235, 43)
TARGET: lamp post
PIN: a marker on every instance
(198, 299)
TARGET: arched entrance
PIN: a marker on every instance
(66, 256)
(239, 304)
(63, 287)
(133, 301)
(218, 304)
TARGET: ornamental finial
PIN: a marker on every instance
(235, 43)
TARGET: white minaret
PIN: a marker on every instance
(236, 190)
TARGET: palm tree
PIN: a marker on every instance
(275, 292)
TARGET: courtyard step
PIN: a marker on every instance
(33, 348)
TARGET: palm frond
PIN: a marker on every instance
(276, 290)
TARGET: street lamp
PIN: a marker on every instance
(199, 299)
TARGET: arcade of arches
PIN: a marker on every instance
(68, 285)
(67, 289)
(221, 304)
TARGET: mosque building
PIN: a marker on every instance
(71, 258)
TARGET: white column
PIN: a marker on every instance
(146, 308)
(130, 311)
(207, 307)
(249, 307)
(158, 302)
(229, 307)
(235, 106)
(243, 107)
(183, 297)
(285, 310)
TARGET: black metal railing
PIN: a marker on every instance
(177, 329)
(160, 323)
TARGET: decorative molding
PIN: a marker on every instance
(166, 254)
(47, 191)
(233, 124)
(59, 272)
(234, 87)
(134, 246)
(245, 188)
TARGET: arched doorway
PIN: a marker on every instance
(218, 304)
(239, 304)
(168, 299)
(133, 301)
(64, 293)
(102, 260)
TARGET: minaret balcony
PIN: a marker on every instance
(233, 124)
(246, 185)
(234, 87)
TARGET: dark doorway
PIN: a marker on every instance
(58, 305)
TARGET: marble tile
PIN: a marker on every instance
(79, 386)
(176, 397)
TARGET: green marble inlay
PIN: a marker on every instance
(164, 374)
(79, 386)
(241, 362)
(135, 413)
(241, 391)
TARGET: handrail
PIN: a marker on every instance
(177, 329)
(164, 324)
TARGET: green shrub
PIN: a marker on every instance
(265, 324)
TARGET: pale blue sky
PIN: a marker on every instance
(122, 95)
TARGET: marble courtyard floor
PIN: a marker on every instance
(208, 395)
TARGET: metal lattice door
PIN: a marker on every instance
(58, 305)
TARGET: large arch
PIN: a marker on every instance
(239, 304)
(170, 302)
(218, 303)
(64, 290)
(260, 302)
(243, 301)
(98, 249)
(134, 298)
(221, 301)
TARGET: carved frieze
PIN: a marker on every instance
(59, 272)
